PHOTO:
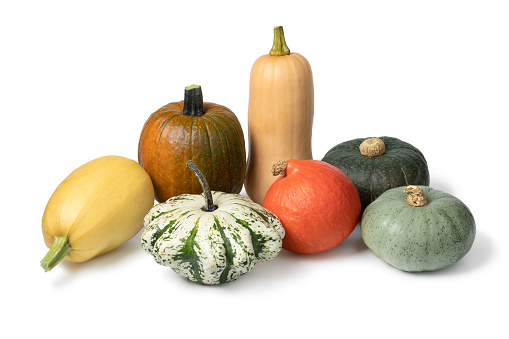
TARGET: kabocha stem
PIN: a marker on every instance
(416, 196)
(279, 168)
(205, 185)
(57, 253)
(279, 46)
(372, 147)
(193, 101)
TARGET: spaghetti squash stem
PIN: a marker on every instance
(56, 253)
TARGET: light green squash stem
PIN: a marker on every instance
(56, 253)
(279, 46)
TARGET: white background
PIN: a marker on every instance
(78, 80)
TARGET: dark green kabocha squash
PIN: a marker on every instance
(378, 164)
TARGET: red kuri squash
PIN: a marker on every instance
(317, 204)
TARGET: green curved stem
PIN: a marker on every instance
(205, 185)
(56, 253)
(279, 46)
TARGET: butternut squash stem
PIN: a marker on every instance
(205, 185)
(279, 46)
(193, 101)
(56, 253)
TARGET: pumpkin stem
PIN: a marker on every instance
(372, 147)
(416, 196)
(205, 185)
(56, 253)
(279, 168)
(279, 46)
(193, 101)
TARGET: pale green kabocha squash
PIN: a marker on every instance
(211, 238)
(418, 228)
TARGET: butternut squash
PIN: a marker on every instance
(280, 115)
(98, 207)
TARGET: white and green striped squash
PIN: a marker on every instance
(418, 229)
(211, 246)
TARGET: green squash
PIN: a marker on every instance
(418, 228)
(378, 164)
(211, 238)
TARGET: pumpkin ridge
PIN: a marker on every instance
(187, 253)
(264, 219)
(166, 123)
(410, 151)
(228, 251)
(191, 137)
(210, 150)
(401, 232)
(428, 233)
(228, 142)
(439, 229)
(255, 237)
(158, 233)
(419, 175)
(371, 182)
(233, 152)
(239, 151)
(398, 162)
(455, 227)
(216, 152)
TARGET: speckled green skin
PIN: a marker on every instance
(416, 239)
(401, 164)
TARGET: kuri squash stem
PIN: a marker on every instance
(210, 207)
(193, 101)
(372, 147)
(279, 168)
(57, 253)
(416, 196)
(279, 46)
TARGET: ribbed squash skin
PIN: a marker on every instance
(211, 247)
(100, 205)
(214, 141)
(401, 164)
(418, 239)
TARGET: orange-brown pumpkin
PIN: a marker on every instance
(208, 134)
(317, 204)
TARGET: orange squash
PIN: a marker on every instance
(208, 134)
(317, 204)
(280, 116)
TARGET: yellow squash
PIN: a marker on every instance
(280, 117)
(98, 207)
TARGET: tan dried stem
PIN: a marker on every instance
(279, 168)
(372, 147)
(416, 196)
